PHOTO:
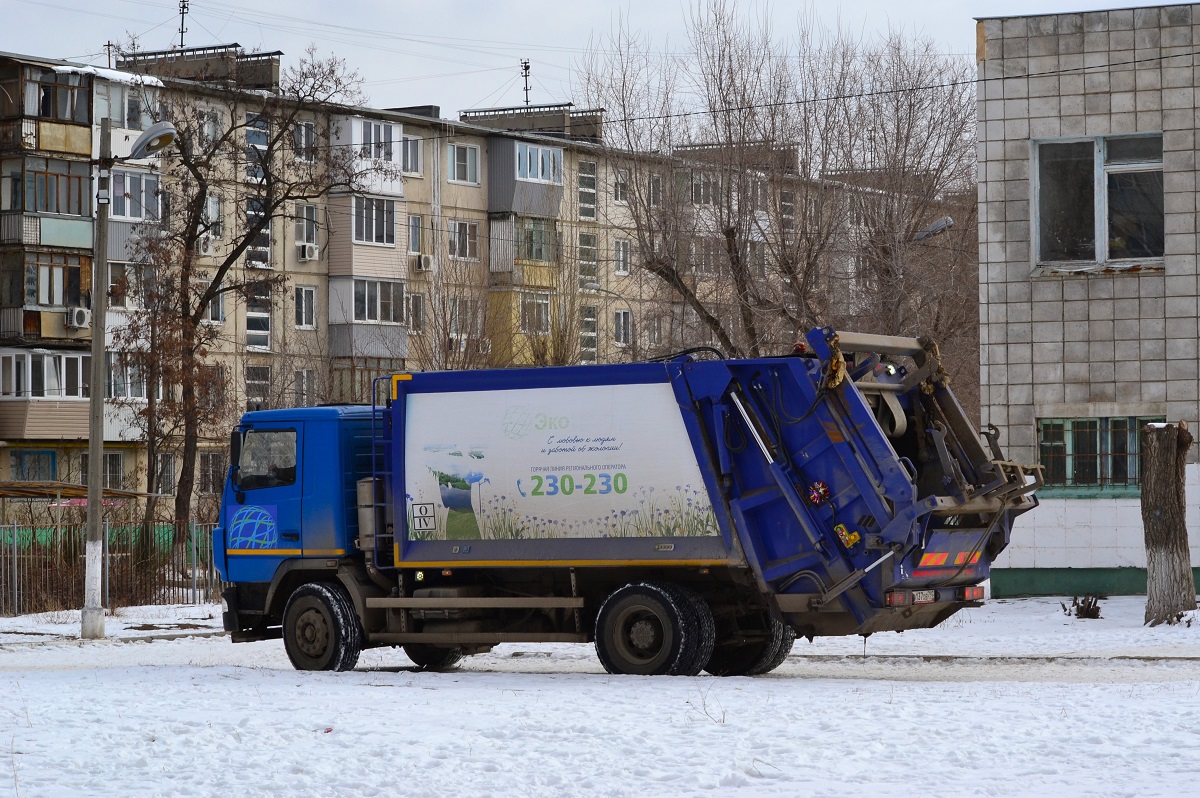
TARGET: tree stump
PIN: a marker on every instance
(1170, 589)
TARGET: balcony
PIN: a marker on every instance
(17, 227)
(43, 419)
(18, 134)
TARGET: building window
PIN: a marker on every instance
(165, 474)
(464, 240)
(135, 195)
(623, 327)
(535, 313)
(374, 221)
(52, 279)
(377, 140)
(588, 260)
(258, 253)
(653, 330)
(414, 312)
(414, 235)
(306, 224)
(587, 333)
(305, 384)
(464, 163)
(258, 134)
(124, 377)
(621, 256)
(306, 307)
(214, 311)
(258, 316)
(537, 241)
(410, 155)
(114, 469)
(587, 190)
(305, 139)
(539, 164)
(787, 212)
(25, 375)
(1091, 453)
(466, 316)
(706, 188)
(52, 186)
(379, 300)
(212, 473)
(210, 387)
(1100, 200)
(125, 285)
(621, 185)
(654, 191)
(212, 219)
(50, 94)
(258, 387)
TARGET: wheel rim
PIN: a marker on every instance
(641, 636)
(312, 633)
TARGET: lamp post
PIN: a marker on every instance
(595, 288)
(157, 137)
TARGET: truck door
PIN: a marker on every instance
(263, 516)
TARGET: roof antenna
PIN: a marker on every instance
(183, 9)
(524, 74)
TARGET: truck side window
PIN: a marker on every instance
(268, 459)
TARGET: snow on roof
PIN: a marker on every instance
(112, 75)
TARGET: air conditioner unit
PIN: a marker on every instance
(308, 251)
(79, 318)
(204, 245)
(422, 263)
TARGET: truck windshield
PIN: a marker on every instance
(268, 459)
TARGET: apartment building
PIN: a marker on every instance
(511, 236)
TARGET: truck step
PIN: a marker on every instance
(515, 603)
(473, 638)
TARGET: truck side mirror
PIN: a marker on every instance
(235, 454)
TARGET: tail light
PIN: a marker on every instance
(898, 598)
(971, 593)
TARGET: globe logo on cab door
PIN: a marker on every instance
(253, 527)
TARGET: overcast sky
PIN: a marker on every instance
(461, 53)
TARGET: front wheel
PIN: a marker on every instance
(320, 629)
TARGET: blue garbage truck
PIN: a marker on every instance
(690, 514)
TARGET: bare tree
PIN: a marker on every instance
(773, 186)
(242, 162)
(1170, 586)
(455, 329)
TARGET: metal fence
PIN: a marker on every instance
(42, 568)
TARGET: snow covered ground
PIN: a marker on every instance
(1011, 699)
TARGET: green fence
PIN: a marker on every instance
(42, 568)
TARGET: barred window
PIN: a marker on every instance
(1096, 453)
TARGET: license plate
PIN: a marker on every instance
(924, 596)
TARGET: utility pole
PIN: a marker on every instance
(525, 74)
(155, 138)
(183, 9)
(92, 621)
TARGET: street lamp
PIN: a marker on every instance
(157, 137)
(595, 287)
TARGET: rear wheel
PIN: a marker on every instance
(756, 657)
(433, 658)
(704, 632)
(646, 629)
(320, 629)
